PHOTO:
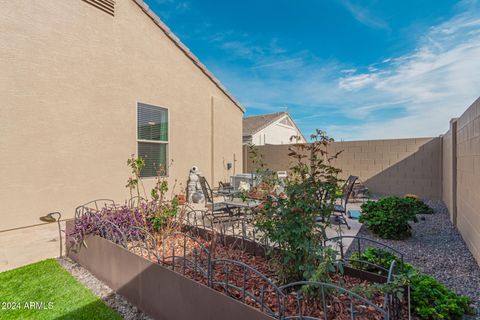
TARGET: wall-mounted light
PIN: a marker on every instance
(50, 218)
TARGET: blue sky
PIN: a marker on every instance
(358, 69)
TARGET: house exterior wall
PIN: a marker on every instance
(275, 133)
(70, 79)
(396, 167)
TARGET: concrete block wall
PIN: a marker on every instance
(445, 168)
(396, 167)
(468, 177)
(447, 172)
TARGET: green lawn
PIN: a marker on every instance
(44, 290)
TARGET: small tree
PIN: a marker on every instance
(162, 217)
(290, 219)
(159, 213)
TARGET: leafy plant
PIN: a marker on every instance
(375, 257)
(162, 219)
(430, 299)
(417, 205)
(289, 219)
(93, 222)
(157, 215)
(389, 217)
(327, 265)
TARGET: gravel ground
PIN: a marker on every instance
(437, 248)
(101, 290)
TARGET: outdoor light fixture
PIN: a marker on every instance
(50, 218)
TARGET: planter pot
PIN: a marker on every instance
(182, 199)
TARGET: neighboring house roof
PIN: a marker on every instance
(186, 51)
(252, 125)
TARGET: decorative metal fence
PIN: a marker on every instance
(300, 292)
(93, 207)
(143, 243)
(359, 245)
(185, 253)
(244, 283)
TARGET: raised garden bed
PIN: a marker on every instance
(201, 274)
(155, 289)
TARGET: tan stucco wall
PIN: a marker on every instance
(70, 78)
(468, 177)
(396, 167)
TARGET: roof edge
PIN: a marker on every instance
(266, 124)
(145, 8)
(280, 115)
(296, 126)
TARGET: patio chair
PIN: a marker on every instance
(217, 208)
(360, 191)
(340, 210)
(226, 190)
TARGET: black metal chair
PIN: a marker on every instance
(226, 190)
(360, 191)
(340, 210)
(217, 208)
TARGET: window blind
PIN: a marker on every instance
(152, 123)
(155, 157)
(152, 135)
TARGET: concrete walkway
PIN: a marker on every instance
(24, 246)
(336, 230)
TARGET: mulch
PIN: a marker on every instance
(260, 290)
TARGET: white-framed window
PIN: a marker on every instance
(152, 139)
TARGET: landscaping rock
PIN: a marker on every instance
(437, 248)
(101, 290)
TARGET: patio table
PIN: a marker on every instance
(228, 193)
(249, 203)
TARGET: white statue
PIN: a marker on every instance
(194, 189)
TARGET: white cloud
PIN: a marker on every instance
(358, 81)
(411, 95)
(277, 64)
(362, 15)
(436, 82)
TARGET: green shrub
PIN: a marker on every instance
(430, 299)
(377, 257)
(418, 206)
(389, 217)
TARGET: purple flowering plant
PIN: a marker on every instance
(157, 215)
